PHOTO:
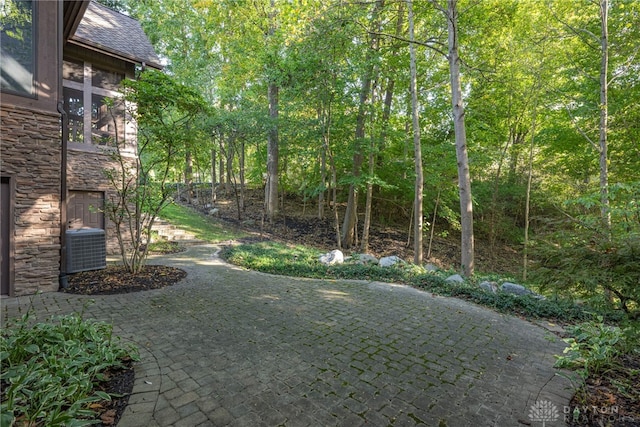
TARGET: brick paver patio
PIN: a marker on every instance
(228, 346)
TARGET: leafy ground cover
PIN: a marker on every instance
(63, 372)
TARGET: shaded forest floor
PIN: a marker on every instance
(299, 224)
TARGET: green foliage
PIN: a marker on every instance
(524, 61)
(50, 369)
(582, 259)
(593, 346)
(201, 226)
(163, 246)
(165, 112)
(301, 261)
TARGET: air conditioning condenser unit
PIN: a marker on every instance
(86, 250)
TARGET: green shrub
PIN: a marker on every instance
(587, 261)
(50, 369)
(592, 347)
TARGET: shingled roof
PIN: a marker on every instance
(113, 33)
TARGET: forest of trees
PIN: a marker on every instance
(504, 120)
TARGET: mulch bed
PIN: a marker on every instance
(118, 383)
(610, 399)
(117, 280)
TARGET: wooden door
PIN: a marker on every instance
(5, 236)
(84, 209)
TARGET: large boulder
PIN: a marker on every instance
(388, 261)
(489, 286)
(518, 290)
(334, 257)
(456, 278)
(514, 288)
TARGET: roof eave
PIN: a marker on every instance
(73, 12)
(113, 53)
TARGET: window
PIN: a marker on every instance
(73, 71)
(107, 120)
(105, 79)
(74, 106)
(102, 122)
(17, 46)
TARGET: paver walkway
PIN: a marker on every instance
(228, 346)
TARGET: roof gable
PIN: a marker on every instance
(115, 34)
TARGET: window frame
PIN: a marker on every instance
(89, 92)
(34, 56)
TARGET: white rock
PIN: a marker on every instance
(334, 257)
(456, 278)
(388, 261)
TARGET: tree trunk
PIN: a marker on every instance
(213, 177)
(350, 216)
(271, 187)
(433, 224)
(417, 149)
(188, 175)
(368, 202)
(386, 114)
(229, 157)
(604, 117)
(323, 177)
(242, 177)
(221, 162)
(464, 179)
(525, 254)
(334, 197)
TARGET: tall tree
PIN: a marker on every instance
(417, 147)
(273, 89)
(464, 177)
(349, 230)
(605, 210)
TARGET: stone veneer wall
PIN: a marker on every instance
(85, 172)
(30, 154)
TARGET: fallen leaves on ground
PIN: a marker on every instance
(611, 399)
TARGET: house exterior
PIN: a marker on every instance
(60, 62)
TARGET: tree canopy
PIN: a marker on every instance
(530, 75)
